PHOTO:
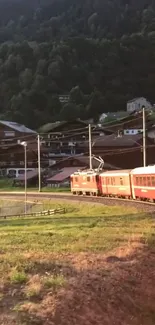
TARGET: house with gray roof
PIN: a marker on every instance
(136, 104)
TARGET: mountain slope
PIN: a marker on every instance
(102, 51)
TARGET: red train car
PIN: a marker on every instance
(86, 183)
(143, 183)
(116, 183)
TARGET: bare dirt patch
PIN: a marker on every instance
(97, 291)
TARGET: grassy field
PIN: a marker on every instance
(93, 263)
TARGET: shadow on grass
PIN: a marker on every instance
(108, 221)
(109, 290)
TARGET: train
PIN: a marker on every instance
(136, 184)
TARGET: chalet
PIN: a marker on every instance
(11, 132)
(11, 153)
(123, 151)
(61, 171)
(12, 158)
(63, 138)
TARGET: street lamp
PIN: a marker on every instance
(24, 144)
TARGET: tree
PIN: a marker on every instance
(101, 53)
(76, 95)
(69, 112)
(25, 79)
(54, 70)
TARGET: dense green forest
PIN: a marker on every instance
(101, 52)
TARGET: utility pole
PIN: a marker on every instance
(144, 138)
(90, 148)
(25, 151)
(24, 144)
(39, 165)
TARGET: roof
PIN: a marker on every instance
(17, 127)
(64, 174)
(116, 141)
(134, 118)
(118, 115)
(30, 175)
(143, 170)
(85, 160)
(117, 172)
(134, 99)
(52, 126)
(95, 163)
(86, 172)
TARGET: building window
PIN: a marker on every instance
(21, 171)
(9, 134)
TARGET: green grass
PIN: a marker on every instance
(86, 228)
(54, 281)
(6, 185)
(17, 277)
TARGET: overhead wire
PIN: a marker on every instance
(72, 131)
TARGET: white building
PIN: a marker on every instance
(137, 104)
(132, 131)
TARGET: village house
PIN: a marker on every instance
(11, 132)
(131, 124)
(123, 151)
(63, 139)
(136, 104)
(61, 171)
(12, 153)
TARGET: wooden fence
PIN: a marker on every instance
(37, 214)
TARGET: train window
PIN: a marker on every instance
(103, 181)
(88, 179)
(137, 180)
(144, 181)
(153, 181)
(141, 181)
(112, 181)
(76, 179)
(108, 180)
(121, 181)
(148, 181)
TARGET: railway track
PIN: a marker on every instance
(141, 205)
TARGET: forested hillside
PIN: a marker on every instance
(101, 52)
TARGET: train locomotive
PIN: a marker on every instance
(138, 183)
